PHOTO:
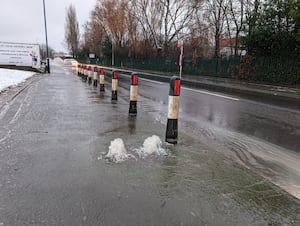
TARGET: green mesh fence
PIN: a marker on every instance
(265, 69)
(208, 67)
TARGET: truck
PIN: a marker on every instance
(20, 54)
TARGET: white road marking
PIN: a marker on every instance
(148, 80)
(3, 139)
(212, 94)
(195, 90)
(4, 111)
(16, 116)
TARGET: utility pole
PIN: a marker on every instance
(112, 53)
(180, 46)
(47, 51)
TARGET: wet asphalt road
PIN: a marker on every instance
(52, 140)
(275, 124)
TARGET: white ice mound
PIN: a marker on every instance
(117, 151)
(151, 146)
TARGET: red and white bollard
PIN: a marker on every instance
(133, 94)
(85, 72)
(173, 110)
(101, 80)
(114, 85)
(90, 74)
(95, 76)
(78, 69)
(81, 70)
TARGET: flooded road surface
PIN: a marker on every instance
(262, 137)
(272, 123)
(53, 141)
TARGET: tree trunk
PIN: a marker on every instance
(217, 45)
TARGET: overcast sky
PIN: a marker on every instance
(23, 20)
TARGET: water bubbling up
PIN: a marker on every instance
(151, 146)
(117, 152)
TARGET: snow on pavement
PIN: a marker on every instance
(10, 77)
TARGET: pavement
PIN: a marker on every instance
(55, 132)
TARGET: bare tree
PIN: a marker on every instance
(216, 16)
(72, 31)
(199, 35)
(149, 14)
(164, 21)
(93, 35)
(133, 36)
(237, 14)
(112, 15)
(152, 27)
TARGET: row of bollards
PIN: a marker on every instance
(85, 72)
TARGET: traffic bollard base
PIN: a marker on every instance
(114, 95)
(102, 89)
(172, 131)
(132, 108)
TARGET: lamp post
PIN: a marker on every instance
(112, 53)
(47, 52)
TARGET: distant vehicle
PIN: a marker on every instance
(72, 62)
(20, 54)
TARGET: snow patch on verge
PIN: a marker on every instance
(117, 152)
(10, 77)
